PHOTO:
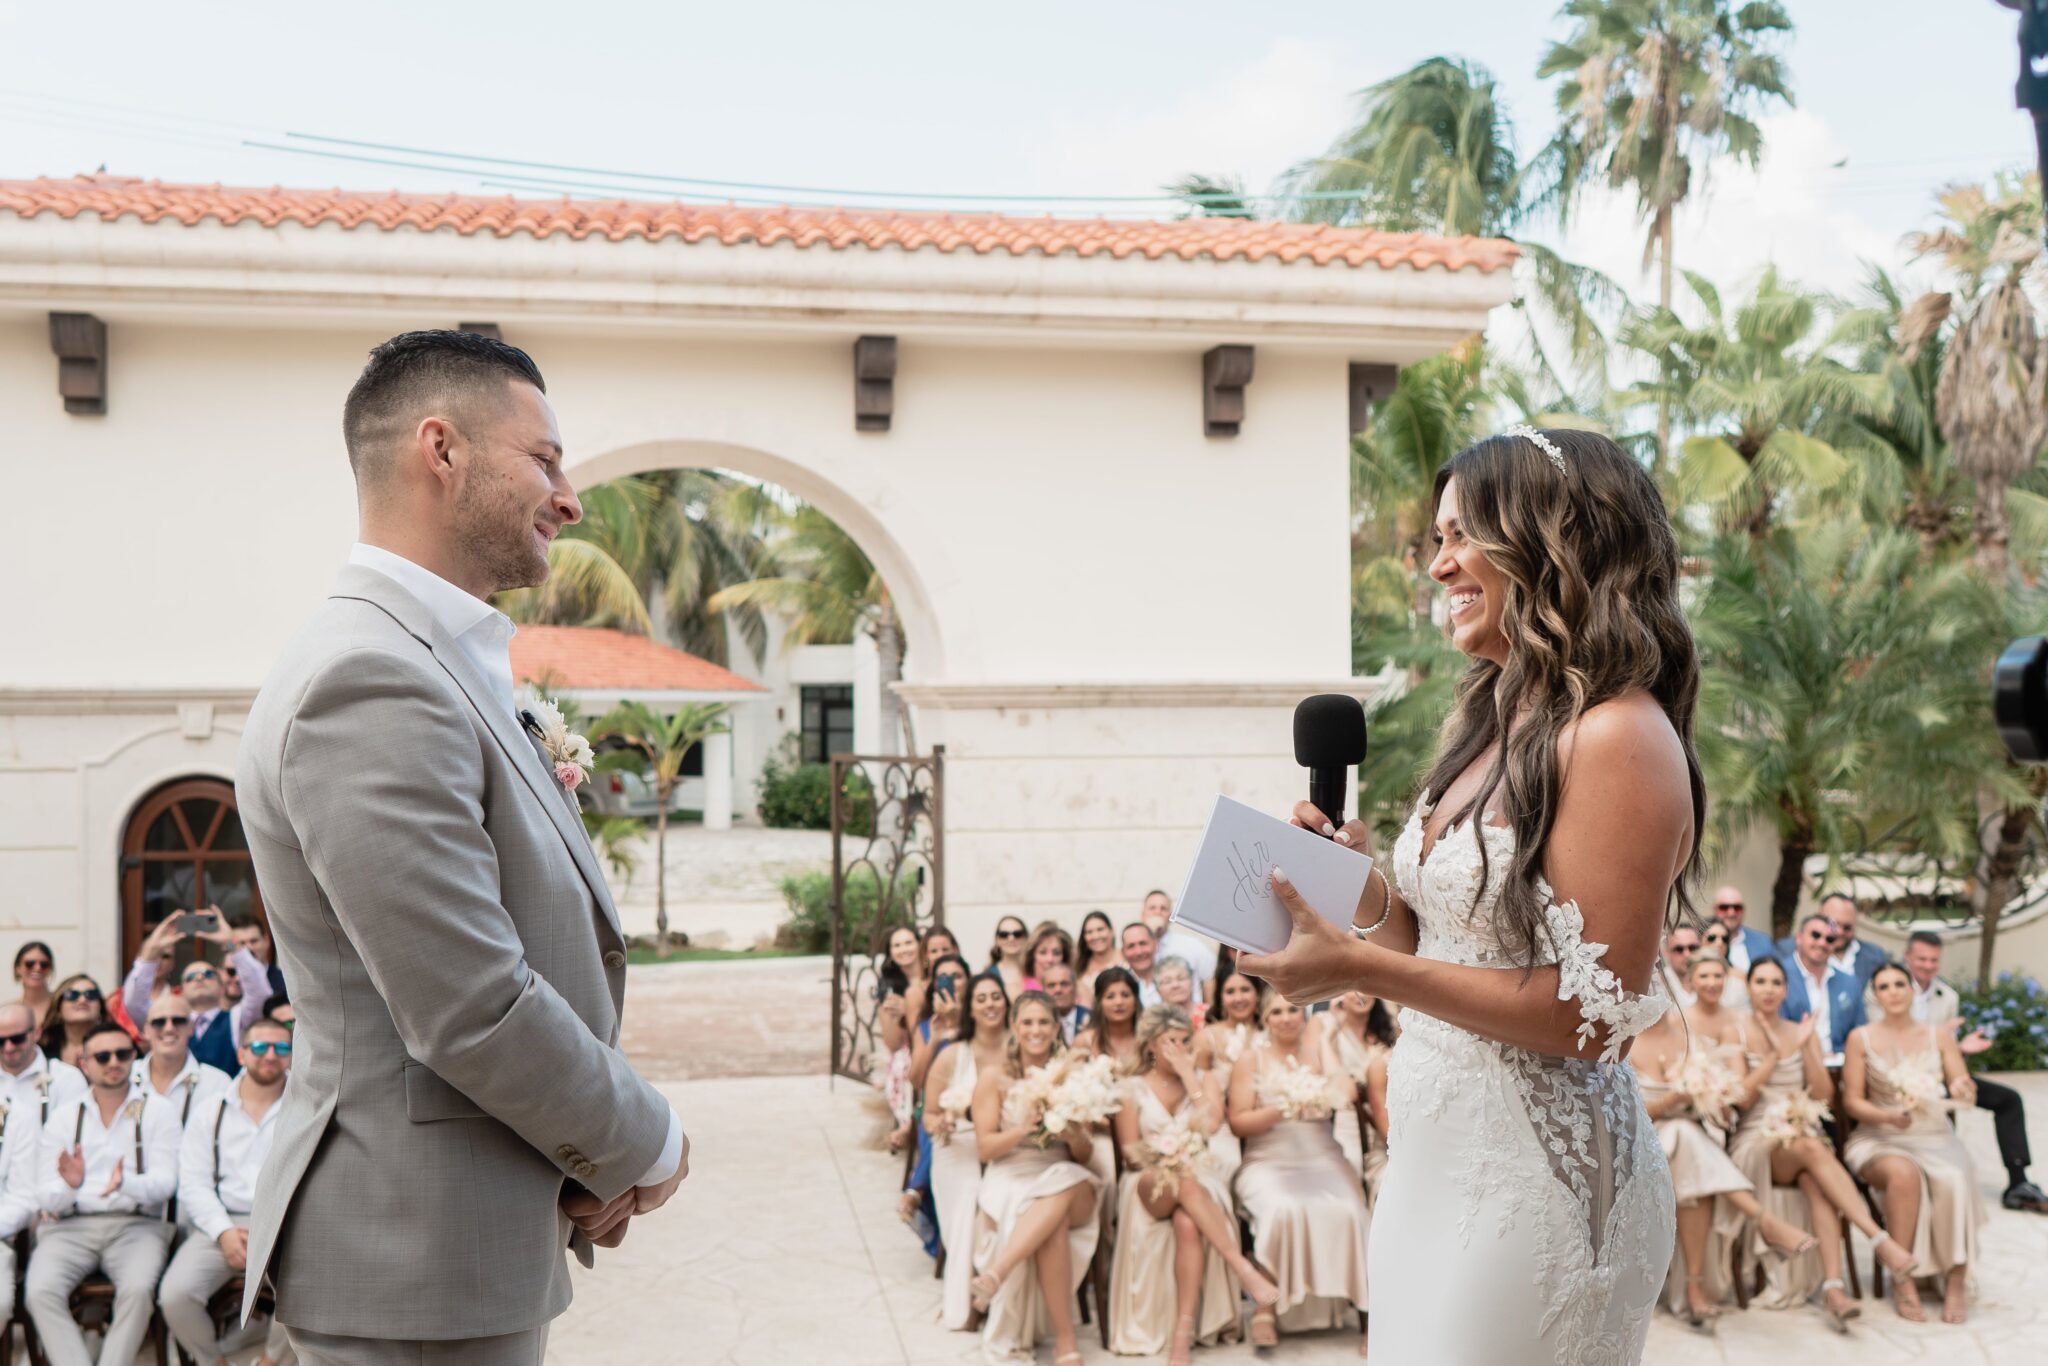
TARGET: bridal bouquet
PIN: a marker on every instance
(1299, 1092)
(1080, 1091)
(954, 1102)
(1793, 1116)
(1922, 1089)
(1712, 1088)
(1170, 1154)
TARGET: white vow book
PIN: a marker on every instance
(1229, 897)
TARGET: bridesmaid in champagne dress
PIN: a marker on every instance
(1802, 1180)
(1897, 1075)
(1304, 1201)
(1232, 1028)
(1037, 1226)
(1358, 1036)
(948, 1118)
(1702, 1175)
(1178, 1266)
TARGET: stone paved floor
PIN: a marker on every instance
(784, 1247)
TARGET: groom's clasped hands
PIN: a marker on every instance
(604, 1223)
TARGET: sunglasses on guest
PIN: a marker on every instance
(82, 994)
(1685, 948)
(1010, 934)
(104, 1056)
(16, 1040)
(35, 965)
(267, 1047)
(169, 1021)
(202, 975)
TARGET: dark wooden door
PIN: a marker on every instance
(183, 850)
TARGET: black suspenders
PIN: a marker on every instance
(218, 1121)
(78, 1132)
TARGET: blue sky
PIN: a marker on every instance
(1055, 98)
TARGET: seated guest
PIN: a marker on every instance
(251, 934)
(1714, 944)
(1813, 983)
(76, 1008)
(1177, 1269)
(1701, 1171)
(1230, 1032)
(1176, 983)
(216, 1021)
(1304, 1202)
(170, 1070)
(31, 1081)
(1848, 953)
(1895, 1075)
(1773, 1158)
(107, 1163)
(1140, 947)
(1038, 1225)
(218, 1162)
(935, 943)
(1058, 981)
(1745, 945)
(1049, 945)
(1113, 1031)
(1198, 950)
(1679, 947)
(902, 964)
(1358, 1036)
(1006, 955)
(1935, 1003)
(1095, 951)
(33, 964)
(955, 1164)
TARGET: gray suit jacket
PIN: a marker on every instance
(458, 972)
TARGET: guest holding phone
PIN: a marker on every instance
(214, 1030)
(935, 943)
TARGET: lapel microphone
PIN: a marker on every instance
(1329, 741)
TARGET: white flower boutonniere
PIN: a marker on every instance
(133, 1110)
(569, 752)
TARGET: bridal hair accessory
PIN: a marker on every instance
(568, 752)
(1542, 442)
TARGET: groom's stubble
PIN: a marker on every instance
(501, 495)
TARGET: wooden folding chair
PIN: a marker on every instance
(92, 1308)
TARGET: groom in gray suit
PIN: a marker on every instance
(460, 1113)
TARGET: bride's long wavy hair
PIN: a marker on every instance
(1590, 612)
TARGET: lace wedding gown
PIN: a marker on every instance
(1527, 1214)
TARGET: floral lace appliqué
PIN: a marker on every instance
(1603, 1000)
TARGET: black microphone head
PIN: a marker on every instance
(1329, 731)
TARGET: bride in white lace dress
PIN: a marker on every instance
(1527, 1211)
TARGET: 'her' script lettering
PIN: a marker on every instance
(1253, 890)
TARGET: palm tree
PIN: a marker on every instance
(816, 578)
(1212, 196)
(1841, 690)
(654, 746)
(1433, 150)
(1761, 393)
(1652, 92)
(1992, 394)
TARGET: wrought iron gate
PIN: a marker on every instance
(888, 870)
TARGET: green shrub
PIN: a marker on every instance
(2014, 1012)
(798, 796)
(809, 897)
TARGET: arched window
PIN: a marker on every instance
(184, 849)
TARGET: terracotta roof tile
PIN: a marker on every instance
(1222, 239)
(613, 661)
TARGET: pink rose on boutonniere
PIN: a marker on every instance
(569, 752)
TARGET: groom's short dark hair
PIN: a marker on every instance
(414, 369)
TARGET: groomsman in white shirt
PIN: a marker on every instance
(26, 1082)
(226, 1142)
(171, 1072)
(28, 1078)
(106, 1164)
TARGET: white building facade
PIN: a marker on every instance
(1102, 468)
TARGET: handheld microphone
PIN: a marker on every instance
(1329, 741)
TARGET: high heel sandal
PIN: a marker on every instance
(1265, 1329)
(1807, 1243)
(1899, 1270)
(1700, 1322)
(1838, 1319)
(1181, 1349)
(981, 1292)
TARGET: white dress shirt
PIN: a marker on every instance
(18, 1148)
(1923, 1002)
(139, 989)
(211, 1198)
(44, 1079)
(484, 635)
(189, 1091)
(1817, 1002)
(1738, 954)
(140, 1192)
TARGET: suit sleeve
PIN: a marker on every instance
(382, 779)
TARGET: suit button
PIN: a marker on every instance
(568, 1154)
(583, 1167)
(615, 959)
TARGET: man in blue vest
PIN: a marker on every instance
(1815, 986)
(216, 1021)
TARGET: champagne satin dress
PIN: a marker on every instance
(1355, 1134)
(1017, 1317)
(1310, 1224)
(1142, 1295)
(956, 1190)
(1700, 1170)
(1788, 1282)
(1951, 1209)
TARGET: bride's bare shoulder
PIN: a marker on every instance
(1631, 730)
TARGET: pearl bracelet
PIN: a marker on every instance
(1386, 910)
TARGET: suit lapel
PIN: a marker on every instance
(383, 592)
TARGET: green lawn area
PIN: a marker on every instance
(687, 955)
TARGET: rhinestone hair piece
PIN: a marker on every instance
(1543, 443)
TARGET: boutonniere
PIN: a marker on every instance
(43, 1082)
(569, 752)
(133, 1110)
